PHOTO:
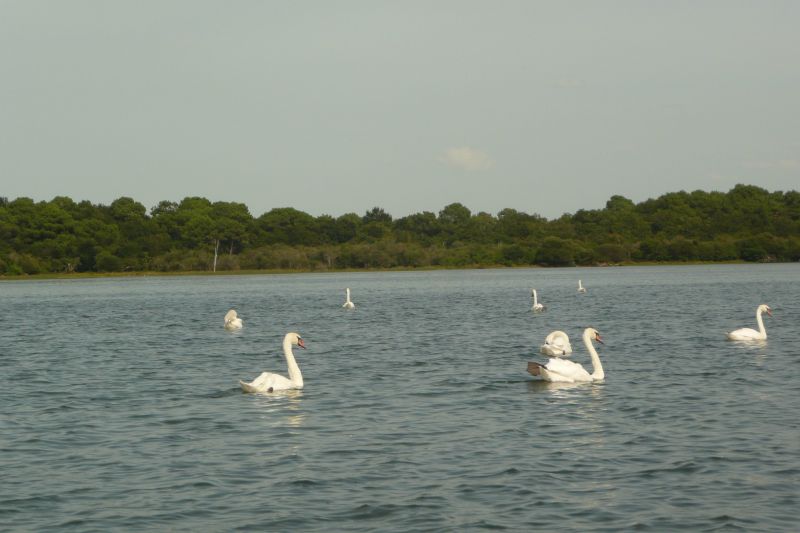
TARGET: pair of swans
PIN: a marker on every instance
(270, 382)
(563, 371)
(749, 334)
(232, 321)
(538, 307)
(348, 304)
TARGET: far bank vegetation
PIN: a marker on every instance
(747, 223)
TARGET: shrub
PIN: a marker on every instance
(107, 262)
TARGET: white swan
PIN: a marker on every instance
(232, 321)
(348, 304)
(537, 307)
(561, 370)
(556, 344)
(748, 334)
(581, 288)
(269, 382)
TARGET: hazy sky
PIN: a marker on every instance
(339, 106)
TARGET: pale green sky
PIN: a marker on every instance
(335, 107)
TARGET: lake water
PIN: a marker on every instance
(120, 407)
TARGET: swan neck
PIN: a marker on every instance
(761, 328)
(294, 371)
(597, 366)
(535, 300)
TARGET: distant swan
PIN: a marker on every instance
(232, 321)
(537, 307)
(581, 288)
(348, 304)
(748, 334)
(269, 382)
(556, 344)
(561, 370)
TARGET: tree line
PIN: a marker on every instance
(747, 223)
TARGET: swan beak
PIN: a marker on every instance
(598, 339)
(769, 311)
(301, 344)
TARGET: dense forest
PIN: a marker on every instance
(747, 223)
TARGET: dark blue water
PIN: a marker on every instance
(120, 408)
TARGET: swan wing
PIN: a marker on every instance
(557, 344)
(249, 387)
(556, 336)
(555, 351)
(236, 323)
(745, 334)
(267, 381)
(567, 370)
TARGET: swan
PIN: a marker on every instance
(561, 370)
(748, 334)
(581, 288)
(537, 307)
(348, 304)
(269, 382)
(556, 344)
(232, 321)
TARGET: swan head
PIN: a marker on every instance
(594, 335)
(764, 308)
(296, 340)
(230, 315)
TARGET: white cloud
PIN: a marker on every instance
(466, 158)
(788, 164)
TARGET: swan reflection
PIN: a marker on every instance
(541, 385)
(565, 389)
(279, 404)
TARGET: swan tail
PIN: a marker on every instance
(535, 368)
(249, 387)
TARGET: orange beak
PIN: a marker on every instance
(301, 344)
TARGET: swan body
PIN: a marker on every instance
(581, 288)
(556, 344)
(348, 304)
(269, 382)
(537, 307)
(563, 371)
(749, 334)
(232, 321)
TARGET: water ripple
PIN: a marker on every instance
(121, 408)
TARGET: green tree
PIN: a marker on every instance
(286, 225)
(555, 251)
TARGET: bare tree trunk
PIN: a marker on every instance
(230, 252)
(216, 250)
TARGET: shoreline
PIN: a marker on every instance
(270, 272)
